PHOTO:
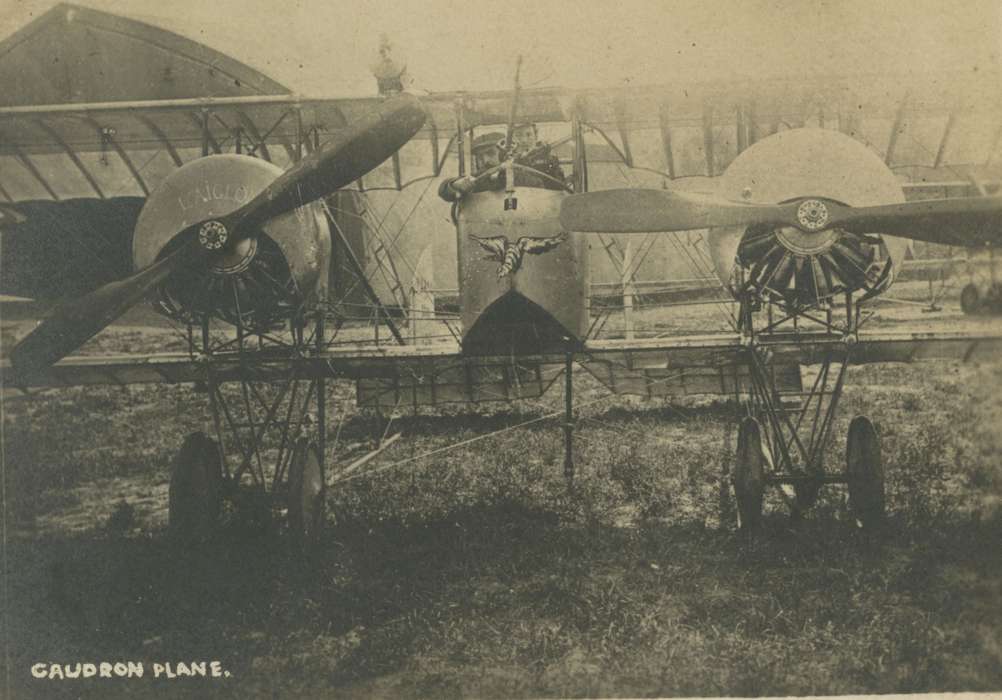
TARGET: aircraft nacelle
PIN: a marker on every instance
(523, 281)
(260, 278)
(793, 263)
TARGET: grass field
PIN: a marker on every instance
(478, 573)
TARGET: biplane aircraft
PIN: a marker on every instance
(260, 245)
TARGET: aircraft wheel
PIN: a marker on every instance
(749, 474)
(306, 491)
(195, 488)
(970, 299)
(865, 473)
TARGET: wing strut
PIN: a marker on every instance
(356, 267)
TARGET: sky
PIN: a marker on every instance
(324, 48)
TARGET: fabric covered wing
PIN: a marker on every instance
(391, 376)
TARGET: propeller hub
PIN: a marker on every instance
(812, 215)
(212, 235)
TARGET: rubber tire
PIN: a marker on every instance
(195, 489)
(865, 473)
(307, 491)
(749, 474)
(970, 299)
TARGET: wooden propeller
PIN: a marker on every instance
(350, 154)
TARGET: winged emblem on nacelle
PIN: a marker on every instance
(510, 254)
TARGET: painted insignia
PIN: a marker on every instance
(510, 254)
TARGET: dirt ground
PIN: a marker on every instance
(478, 573)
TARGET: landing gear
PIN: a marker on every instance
(865, 473)
(970, 299)
(978, 300)
(806, 495)
(983, 294)
(749, 474)
(272, 434)
(306, 491)
(789, 430)
(266, 461)
(803, 494)
(195, 489)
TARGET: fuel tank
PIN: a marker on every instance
(523, 281)
(259, 280)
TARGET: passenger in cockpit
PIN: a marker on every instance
(532, 153)
(486, 155)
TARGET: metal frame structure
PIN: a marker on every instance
(786, 435)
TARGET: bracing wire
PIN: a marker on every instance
(506, 429)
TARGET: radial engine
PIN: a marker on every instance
(808, 265)
(259, 282)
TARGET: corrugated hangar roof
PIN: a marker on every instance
(74, 54)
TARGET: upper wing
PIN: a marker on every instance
(122, 146)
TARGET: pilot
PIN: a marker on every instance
(486, 155)
(532, 153)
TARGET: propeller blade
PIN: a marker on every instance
(640, 211)
(352, 153)
(75, 322)
(964, 221)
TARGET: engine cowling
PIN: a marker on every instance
(260, 281)
(808, 265)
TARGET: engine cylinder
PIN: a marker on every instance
(259, 281)
(808, 265)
